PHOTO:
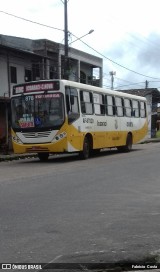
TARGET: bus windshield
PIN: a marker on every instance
(37, 111)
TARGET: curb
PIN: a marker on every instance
(11, 157)
(151, 140)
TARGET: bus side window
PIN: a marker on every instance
(109, 105)
(135, 108)
(142, 109)
(114, 106)
(123, 106)
(72, 104)
(86, 102)
(127, 107)
(119, 106)
(99, 107)
(82, 103)
(67, 100)
(72, 100)
(102, 106)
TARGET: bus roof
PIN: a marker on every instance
(100, 89)
(84, 87)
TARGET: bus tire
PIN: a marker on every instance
(128, 146)
(84, 154)
(43, 156)
(95, 152)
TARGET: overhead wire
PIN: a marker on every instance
(44, 25)
(129, 85)
(30, 21)
(116, 62)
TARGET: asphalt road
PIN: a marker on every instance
(105, 209)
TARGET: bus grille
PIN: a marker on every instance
(36, 135)
(36, 149)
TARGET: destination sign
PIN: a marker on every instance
(36, 87)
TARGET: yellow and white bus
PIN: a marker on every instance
(60, 116)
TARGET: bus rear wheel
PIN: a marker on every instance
(128, 146)
(43, 156)
(84, 154)
(95, 152)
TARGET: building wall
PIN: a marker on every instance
(86, 69)
(84, 62)
(3, 125)
(3, 76)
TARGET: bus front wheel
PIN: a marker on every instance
(84, 154)
(43, 156)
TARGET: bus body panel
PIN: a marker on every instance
(104, 131)
(73, 141)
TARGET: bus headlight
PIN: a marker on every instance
(59, 137)
(16, 139)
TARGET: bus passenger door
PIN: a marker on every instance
(113, 111)
(119, 113)
(72, 106)
(100, 119)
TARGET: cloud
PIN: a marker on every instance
(137, 53)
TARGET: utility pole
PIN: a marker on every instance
(66, 59)
(112, 78)
(146, 84)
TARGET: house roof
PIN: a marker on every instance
(144, 92)
(39, 46)
(12, 43)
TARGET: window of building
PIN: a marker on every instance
(99, 107)
(36, 71)
(53, 72)
(13, 74)
(82, 77)
(86, 102)
(28, 75)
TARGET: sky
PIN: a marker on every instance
(126, 33)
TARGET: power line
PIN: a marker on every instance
(30, 21)
(21, 18)
(153, 81)
(115, 61)
(129, 85)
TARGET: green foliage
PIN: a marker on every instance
(158, 134)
